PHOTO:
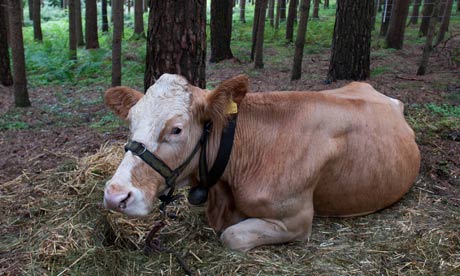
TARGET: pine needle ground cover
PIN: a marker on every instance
(55, 224)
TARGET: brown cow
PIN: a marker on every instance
(342, 152)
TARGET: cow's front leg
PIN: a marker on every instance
(253, 232)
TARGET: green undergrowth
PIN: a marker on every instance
(434, 121)
(48, 61)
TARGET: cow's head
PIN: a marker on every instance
(168, 120)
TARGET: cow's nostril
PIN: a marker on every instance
(123, 203)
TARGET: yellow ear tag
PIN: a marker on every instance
(232, 108)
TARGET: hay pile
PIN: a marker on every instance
(54, 223)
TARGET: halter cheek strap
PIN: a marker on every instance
(164, 170)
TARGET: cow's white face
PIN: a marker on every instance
(168, 120)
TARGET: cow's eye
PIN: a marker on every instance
(176, 130)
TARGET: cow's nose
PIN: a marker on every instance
(118, 201)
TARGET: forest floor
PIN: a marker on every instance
(68, 123)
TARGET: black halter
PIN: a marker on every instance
(198, 194)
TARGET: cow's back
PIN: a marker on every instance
(378, 161)
(351, 145)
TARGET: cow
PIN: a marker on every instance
(336, 153)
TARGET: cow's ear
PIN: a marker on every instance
(120, 99)
(218, 100)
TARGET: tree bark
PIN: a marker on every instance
(445, 21)
(351, 43)
(92, 40)
(22, 12)
(426, 15)
(38, 36)
(255, 26)
(138, 18)
(259, 49)
(300, 40)
(397, 26)
(282, 9)
(242, 11)
(176, 41)
(117, 12)
(292, 14)
(79, 24)
(21, 96)
(441, 9)
(105, 21)
(72, 31)
(5, 70)
(30, 3)
(315, 9)
(278, 14)
(271, 12)
(415, 12)
(326, 4)
(428, 48)
(221, 30)
(386, 17)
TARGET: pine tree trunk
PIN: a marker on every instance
(271, 12)
(221, 30)
(386, 17)
(441, 10)
(105, 22)
(5, 70)
(30, 3)
(255, 26)
(300, 40)
(282, 9)
(397, 27)
(326, 4)
(242, 11)
(426, 15)
(176, 41)
(117, 12)
(350, 58)
(428, 48)
(72, 31)
(92, 41)
(445, 21)
(278, 14)
(292, 14)
(78, 24)
(259, 49)
(38, 36)
(21, 96)
(315, 9)
(138, 18)
(415, 12)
